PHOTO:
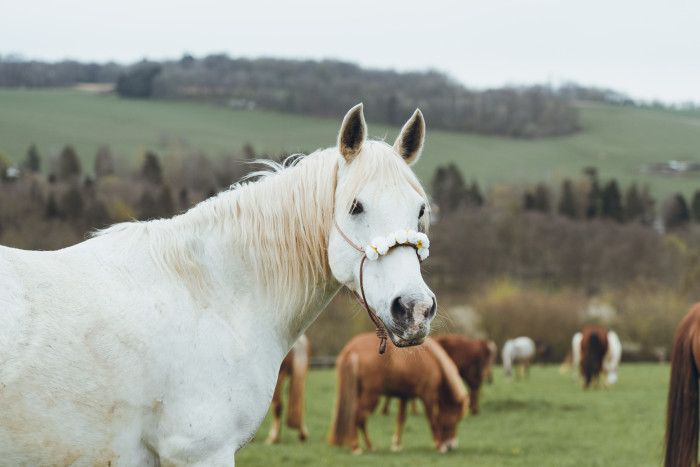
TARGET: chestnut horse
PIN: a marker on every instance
(473, 358)
(294, 366)
(682, 411)
(594, 346)
(426, 372)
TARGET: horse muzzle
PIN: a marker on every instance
(409, 322)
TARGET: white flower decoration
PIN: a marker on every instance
(381, 245)
(371, 253)
(401, 236)
(423, 253)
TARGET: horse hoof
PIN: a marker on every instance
(395, 448)
(357, 451)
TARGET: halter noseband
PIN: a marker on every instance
(381, 246)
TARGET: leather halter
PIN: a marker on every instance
(380, 330)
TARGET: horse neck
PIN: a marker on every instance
(266, 243)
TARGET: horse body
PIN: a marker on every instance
(426, 373)
(519, 352)
(294, 366)
(161, 341)
(594, 346)
(681, 438)
(473, 358)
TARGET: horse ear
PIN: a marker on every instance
(409, 144)
(353, 133)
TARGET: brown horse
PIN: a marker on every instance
(682, 410)
(295, 366)
(594, 345)
(426, 372)
(473, 358)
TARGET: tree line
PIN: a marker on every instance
(318, 88)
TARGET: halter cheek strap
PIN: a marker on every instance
(380, 330)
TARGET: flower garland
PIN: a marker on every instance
(382, 245)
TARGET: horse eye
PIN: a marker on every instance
(356, 208)
(422, 211)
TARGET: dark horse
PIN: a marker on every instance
(473, 358)
(594, 345)
(294, 366)
(682, 411)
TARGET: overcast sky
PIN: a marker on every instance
(647, 49)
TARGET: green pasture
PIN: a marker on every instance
(546, 421)
(619, 141)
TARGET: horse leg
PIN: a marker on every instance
(368, 402)
(400, 419)
(414, 407)
(274, 435)
(474, 398)
(385, 407)
(432, 415)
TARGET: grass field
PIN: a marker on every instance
(546, 421)
(619, 141)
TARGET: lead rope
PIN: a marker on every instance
(380, 331)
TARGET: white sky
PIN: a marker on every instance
(647, 49)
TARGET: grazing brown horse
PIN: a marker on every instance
(425, 372)
(473, 358)
(594, 346)
(682, 410)
(294, 366)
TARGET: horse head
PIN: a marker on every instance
(381, 210)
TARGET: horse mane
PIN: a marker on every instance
(449, 370)
(279, 223)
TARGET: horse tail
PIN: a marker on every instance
(682, 411)
(593, 357)
(300, 367)
(344, 416)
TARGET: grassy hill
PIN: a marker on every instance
(619, 141)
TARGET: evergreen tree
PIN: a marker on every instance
(104, 163)
(151, 170)
(164, 202)
(634, 204)
(33, 161)
(542, 198)
(69, 168)
(448, 189)
(567, 203)
(676, 212)
(593, 200)
(473, 195)
(529, 202)
(611, 202)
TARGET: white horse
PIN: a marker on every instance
(160, 342)
(611, 361)
(520, 352)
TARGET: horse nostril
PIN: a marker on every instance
(431, 312)
(398, 311)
